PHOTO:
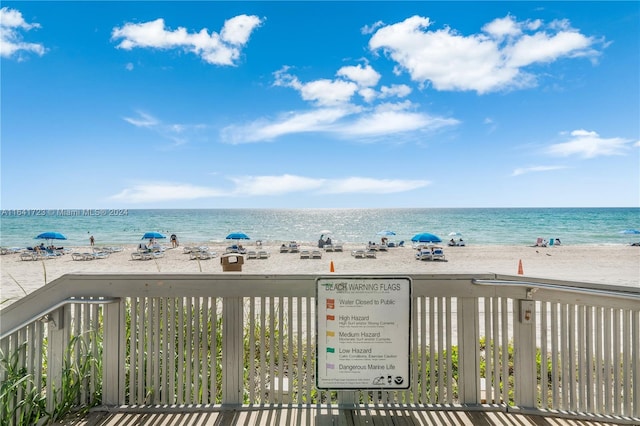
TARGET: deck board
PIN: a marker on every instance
(324, 416)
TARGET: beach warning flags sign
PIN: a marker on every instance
(331, 268)
(520, 270)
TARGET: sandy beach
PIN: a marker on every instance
(610, 264)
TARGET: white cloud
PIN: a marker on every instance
(536, 169)
(589, 144)
(275, 185)
(364, 76)
(143, 120)
(323, 92)
(265, 186)
(11, 38)
(370, 29)
(362, 185)
(337, 111)
(177, 133)
(485, 62)
(392, 118)
(285, 184)
(155, 192)
(318, 120)
(502, 28)
(237, 30)
(395, 90)
(214, 48)
(348, 121)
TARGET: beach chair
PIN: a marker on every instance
(284, 249)
(358, 254)
(198, 255)
(137, 255)
(316, 254)
(437, 253)
(337, 247)
(328, 247)
(371, 254)
(424, 254)
(263, 254)
(305, 254)
(252, 254)
(28, 256)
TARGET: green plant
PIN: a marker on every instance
(20, 401)
(81, 365)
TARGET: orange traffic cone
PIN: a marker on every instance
(520, 270)
(331, 268)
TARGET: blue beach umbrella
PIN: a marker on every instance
(50, 236)
(426, 237)
(238, 236)
(386, 233)
(154, 235)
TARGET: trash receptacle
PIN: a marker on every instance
(231, 262)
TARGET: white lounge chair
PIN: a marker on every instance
(294, 247)
(358, 254)
(199, 255)
(438, 253)
(99, 255)
(305, 254)
(28, 255)
(424, 254)
(372, 254)
(252, 254)
(316, 254)
(263, 254)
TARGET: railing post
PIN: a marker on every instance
(58, 339)
(232, 350)
(524, 341)
(113, 354)
(468, 351)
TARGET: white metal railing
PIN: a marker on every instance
(222, 339)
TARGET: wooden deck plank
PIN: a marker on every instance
(323, 416)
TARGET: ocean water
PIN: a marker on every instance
(484, 226)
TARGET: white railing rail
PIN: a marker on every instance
(227, 340)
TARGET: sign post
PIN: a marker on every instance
(363, 329)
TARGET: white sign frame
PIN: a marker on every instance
(363, 332)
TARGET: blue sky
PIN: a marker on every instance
(320, 104)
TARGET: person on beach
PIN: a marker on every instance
(174, 241)
(92, 241)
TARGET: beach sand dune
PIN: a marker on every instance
(610, 264)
